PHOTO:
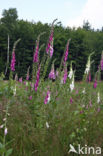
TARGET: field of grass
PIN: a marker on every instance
(47, 115)
(39, 129)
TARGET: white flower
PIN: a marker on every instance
(27, 83)
(4, 119)
(98, 98)
(6, 131)
(83, 91)
(1, 126)
(48, 97)
(47, 125)
(72, 86)
(70, 73)
(14, 90)
(87, 66)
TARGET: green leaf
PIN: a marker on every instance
(9, 152)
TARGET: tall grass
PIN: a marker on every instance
(46, 120)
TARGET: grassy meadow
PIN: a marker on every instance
(42, 116)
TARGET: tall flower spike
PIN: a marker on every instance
(13, 61)
(71, 72)
(49, 48)
(72, 83)
(52, 73)
(101, 62)
(95, 84)
(37, 79)
(66, 52)
(47, 98)
(35, 58)
(88, 64)
(65, 75)
(98, 98)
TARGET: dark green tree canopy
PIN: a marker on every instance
(9, 16)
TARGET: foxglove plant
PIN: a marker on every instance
(52, 73)
(98, 98)
(37, 79)
(66, 52)
(71, 72)
(95, 84)
(47, 125)
(65, 75)
(35, 58)
(101, 62)
(49, 48)
(72, 83)
(89, 77)
(88, 65)
(47, 98)
(13, 61)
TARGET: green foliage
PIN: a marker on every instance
(82, 43)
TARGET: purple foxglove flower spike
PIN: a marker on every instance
(37, 79)
(71, 100)
(13, 61)
(47, 98)
(95, 84)
(65, 76)
(35, 58)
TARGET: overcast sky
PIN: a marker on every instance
(69, 12)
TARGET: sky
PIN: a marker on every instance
(70, 12)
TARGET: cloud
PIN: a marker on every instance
(93, 12)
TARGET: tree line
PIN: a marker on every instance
(83, 41)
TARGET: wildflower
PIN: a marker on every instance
(37, 79)
(70, 73)
(50, 43)
(47, 125)
(16, 77)
(14, 90)
(66, 53)
(89, 77)
(95, 84)
(5, 131)
(20, 80)
(65, 76)
(1, 126)
(87, 66)
(71, 100)
(72, 84)
(81, 112)
(30, 97)
(35, 58)
(87, 107)
(51, 49)
(47, 98)
(24, 82)
(13, 61)
(4, 119)
(84, 91)
(98, 98)
(90, 103)
(76, 91)
(98, 110)
(57, 73)
(52, 73)
(101, 62)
